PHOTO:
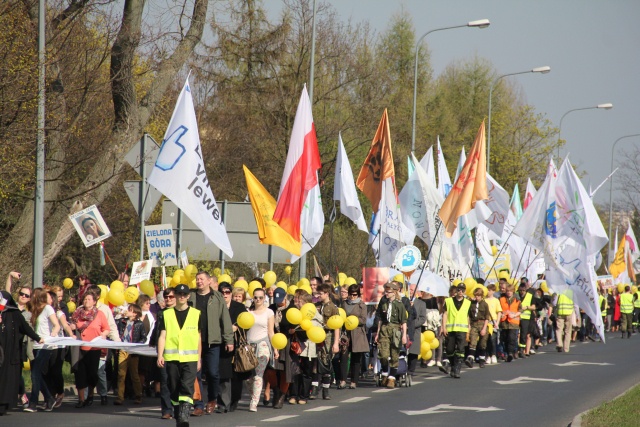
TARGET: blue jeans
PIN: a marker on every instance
(37, 377)
(210, 365)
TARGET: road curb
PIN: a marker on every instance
(577, 420)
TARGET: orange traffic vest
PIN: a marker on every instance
(506, 307)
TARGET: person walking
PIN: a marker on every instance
(391, 334)
(526, 308)
(509, 321)
(479, 319)
(626, 311)
(131, 330)
(455, 325)
(217, 332)
(564, 311)
(179, 349)
(358, 343)
(259, 335)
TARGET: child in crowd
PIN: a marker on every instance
(131, 330)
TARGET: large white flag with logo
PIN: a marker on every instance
(344, 189)
(179, 173)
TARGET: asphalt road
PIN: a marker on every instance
(530, 392)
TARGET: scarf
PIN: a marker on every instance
(351, 305)
(278, 317)
(83, 315)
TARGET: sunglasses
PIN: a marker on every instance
(170, 297)
(354, 295)
(22, 294)
(226, 292)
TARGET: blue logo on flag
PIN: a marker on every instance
(171, 150)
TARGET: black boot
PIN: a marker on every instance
(445, 368)
(276, 397)
(325, 393)
(306, 386)
(457, 365)
(182, 420)
(313, 395)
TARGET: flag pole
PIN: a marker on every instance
(424, 265)
(512, 275)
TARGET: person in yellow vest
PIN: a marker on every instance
(563, 311)
(626, 311)
(455, 325)
(526, 309)
(602, 300)
(636, 310)
(179, 350)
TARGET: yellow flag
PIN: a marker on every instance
(264, 205)
(619, 265)
(470, 186)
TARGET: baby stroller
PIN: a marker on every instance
(403, 377)
(375, 363)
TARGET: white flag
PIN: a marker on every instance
(484, 245)
(429, 168)
(180, 175)
(498, 204)
(391, 228)
(634, 252)
(444, 181)
(529, 194)
(311, 221)
(344, 189)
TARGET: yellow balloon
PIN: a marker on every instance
(634, 289)
(67, 283)
(71, 306)
(428, 336)
(343, 313)
(294, 316)
(269, 278)
(335, 322)
(191, 271)
(103, 292)
(116, 297)
(192, 284)
(306, 288)
(316, 334)
(147, 288)
(485, 291)
(470, 289)
(241, 284)
(503, 275)
(287, 270)
(494, 250)
(279, 341)
(399, 278)
(544, 287)
(174, 283)
(308, 310)
(341, 278)
(351, 323)
(304, 281)
(620, 288)
(306, 324)
(224, 278)
(216, 271)
(426, 355)
(131, 294)
(424, 347)
(26, 366)
(253, 286)
(292, 289)
(434, 343)
(117, 284)
(282, 285)
(179, 272)
(350, 281)
(246, 320)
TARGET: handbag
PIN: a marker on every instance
(296, 346)
(244, 359)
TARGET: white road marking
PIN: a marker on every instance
(280, 418)
(356, 399)
(320, 408)
(446, 407)
(385, 390)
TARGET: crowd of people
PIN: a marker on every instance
(198, 338)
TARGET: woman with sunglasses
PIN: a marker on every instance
(392, 333)
(358, 344)
(230, 381)
(260, 336)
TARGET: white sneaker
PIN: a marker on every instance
(438, 363)
(431, 363)
(488, 360)
(494, 360)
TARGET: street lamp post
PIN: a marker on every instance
(611, 192)
(481, 23)
(542, 70)
(606, 106)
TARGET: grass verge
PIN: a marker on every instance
(620, 412)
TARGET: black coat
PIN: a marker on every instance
(12, 331)
(226, 357)
(139, 336)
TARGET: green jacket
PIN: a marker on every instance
(219, 326)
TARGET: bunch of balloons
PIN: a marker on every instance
(428, 343)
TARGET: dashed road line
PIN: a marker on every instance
(355, 399)
(280, 418)
(320, 408)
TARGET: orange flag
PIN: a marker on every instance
(470, 186)
(264, 205)
(619, 262)
(378, 165)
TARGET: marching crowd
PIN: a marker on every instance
(216, 340)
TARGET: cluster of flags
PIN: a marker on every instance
(557, 223)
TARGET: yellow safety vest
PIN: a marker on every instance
(457, 321)
(565, 305)
(600, 299)
(526, 314)
(636, 303)
(626, 303)
(181, 345)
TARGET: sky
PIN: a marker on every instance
(592, 47)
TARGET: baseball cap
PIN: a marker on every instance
(279, 295)
(462, 286)
(182, 289)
